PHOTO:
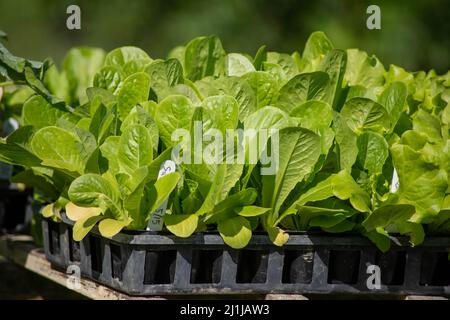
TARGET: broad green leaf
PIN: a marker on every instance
(16, 148)
(287, 64)
(380, 237)
(232, 176)
(204, 56)
(321, 191)
(134, 90)
(82, 227)
(396, 73)
(164, 74)
(221, 113)
(174, 112)
(110, 227)
(328, 209)
(334, 65)
(317, 46)
(35, 83)
(235, 87)
(187, 89)
(313, 115)
(37, 112)
(343, 226)
(215, 192)
(264, 85)
(269, 118)
(238, 65)
(48, 211)
(299, 150)
(387, 215)
(428, 125)
(155, 166)
(365, 114)
(59, 148)
(181, 225)
(84, 124)
(393, 99)
(301, 88)
(323, 221)
(138, 115)
(235, 232)
(251, 211)
(109, 151)
(373, 151)
(101, 123)
(120, 56)
(80, 66)
(345, 187)
(177, 53)
(92, 190)
(260, 57)
(276, 71)
(421, 184)
(191, 197)
(98, 96)
(76, 213)
(135, 148)
(363, 70)
(137, 199)
(133, 180)
(277, 236)
(414, 230)
(163, 188)
(226, 208)
(44, 185)
(134, 66)
(347, 142)
(108, 78)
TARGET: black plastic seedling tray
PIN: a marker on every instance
(146, 263)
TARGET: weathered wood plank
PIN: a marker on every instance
(424, 298)
(21, 250)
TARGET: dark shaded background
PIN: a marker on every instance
(415, 34)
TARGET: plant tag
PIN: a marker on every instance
(156, 219)
(395, 183)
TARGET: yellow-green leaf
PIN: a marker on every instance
(82, 227)
(181, 225)
(76, 213)
(236, 232)
(277, 236)
(110, 227)
(251, 211)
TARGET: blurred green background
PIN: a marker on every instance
(414, 34)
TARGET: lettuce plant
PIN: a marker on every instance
(359, 148)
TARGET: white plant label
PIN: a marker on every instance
(156, 220)
(395, 182)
